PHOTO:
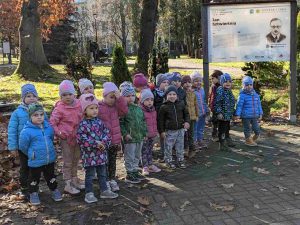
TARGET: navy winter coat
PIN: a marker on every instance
(248, 105)
(37, 144)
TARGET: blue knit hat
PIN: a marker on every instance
(224, 78)
(171, 88)
(247, 80)
(28, 88)
(160, 78)
(176, 77)
(127, 88)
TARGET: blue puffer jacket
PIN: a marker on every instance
(37, 144)
(202, 106)
(248, 105)
(16, 123)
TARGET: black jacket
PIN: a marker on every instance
(172, 116)
(182, 95)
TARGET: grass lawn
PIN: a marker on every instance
(10, 87)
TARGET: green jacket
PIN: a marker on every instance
(134, 124)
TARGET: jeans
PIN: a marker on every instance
(224, 127)
(174, 138)
(247, 126)
(24, 171)
(35, 176)
(90, 174)
(199, 128)
(132, 156)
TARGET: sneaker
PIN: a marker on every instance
(56, 195)
(114, 185)
(34, 198)
(79, 184)
(108, 185)
(154, 169)
(90, 198)
(215, 138)
(145, 171)
(181, 164)
(139, 176)
(249, 141)
(70, 189)
(255, 137)
(130, 178)
(108, 194)
(171, 165)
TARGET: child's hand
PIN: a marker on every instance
(163, 135)
(186, 126)
(117, 94)
(220, 116)
(128, 137)
(62, 136)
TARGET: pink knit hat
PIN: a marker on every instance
(140, 80)
(109, 87)
(87, 100)
(66, 86)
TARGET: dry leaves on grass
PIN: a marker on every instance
(164, 205)
(261, 170)
(281, 188)
(184, 205)
(223, 208)
(5, 221)
(228, 185)
(51, 221)
(296, 193)
(30, 215)
(103, 214)
(144, 200)
(276, 163)
(256, 206)
(208, 164)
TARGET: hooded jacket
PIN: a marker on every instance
(110, 116)
(65, 120)
(151, 120)
(37, 143)
(225, 103)
(248, 105)
(172, 116)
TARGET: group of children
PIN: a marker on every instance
(130, 118)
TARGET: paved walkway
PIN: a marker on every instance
(248, 186)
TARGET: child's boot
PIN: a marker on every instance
(249, 141)
(255, 137)
(223, 146)
(56, 195)
(70, 189)
(34, 198)
(79, 184)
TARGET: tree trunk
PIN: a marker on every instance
(148, 26)
(123, 27)
(33, 62)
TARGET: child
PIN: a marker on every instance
(65, 119)
(134, 131)
(173, 118)
(86, 86)
(193, 110)
(215, 76)
(16, 123)
(146, 104)
(162, 83)
(249, 108)
(36, 142)
(94, 139)
(140, 82)
(111, 108)
(203, 109)
(176, 81)
(224, 108)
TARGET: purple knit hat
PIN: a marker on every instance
(109, 87)
(84, 83)
(66, 86)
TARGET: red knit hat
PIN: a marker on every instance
(140, 80)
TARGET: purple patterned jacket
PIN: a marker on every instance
(90, 133)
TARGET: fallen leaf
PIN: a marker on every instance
(256, 206)
(51, 221)
(263, 189)
(30, 215)
(232, 165)
(97, 218)
(208, 164)
(260, 160)
(276, 163)
(100, 214)
(261, 170)
(144, 200)
(164, 205)
(184, 205)
(296, 193)
(223, 208)
(3, 214)
(227, 185)
(281, 188)
(5, 221)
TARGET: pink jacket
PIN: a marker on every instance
(110, 116)
(65, 120)
(151, 121)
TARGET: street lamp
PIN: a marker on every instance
(95, 18)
